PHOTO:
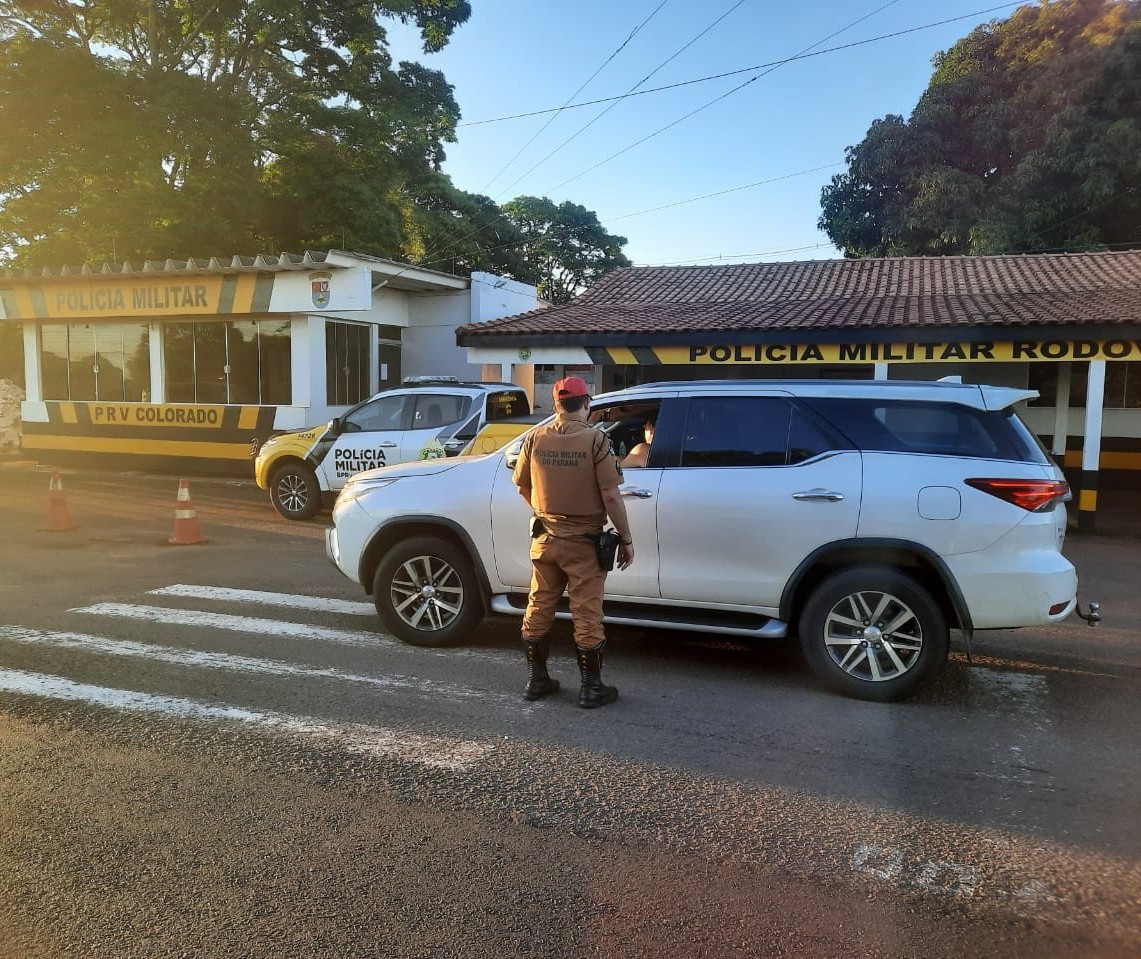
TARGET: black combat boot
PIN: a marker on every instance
(540, 683)
(592, 693)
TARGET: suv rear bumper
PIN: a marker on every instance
(999, 597)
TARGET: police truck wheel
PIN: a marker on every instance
(294, 492)
(873, 633)
(426, 592)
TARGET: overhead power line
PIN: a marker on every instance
(694, 261)
(759, 66)
(456, 242)
(434, 257)
(734, 189)
(718, 99)
(441, 251)
(585, 83)
(615, 103)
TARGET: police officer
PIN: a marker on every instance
(568, 475)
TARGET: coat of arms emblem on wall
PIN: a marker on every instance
(320, 286)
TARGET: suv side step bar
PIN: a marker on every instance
(632, 614)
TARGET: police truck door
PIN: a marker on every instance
(432, 413)
(371, 437)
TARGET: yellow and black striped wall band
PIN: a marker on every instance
(141, 429)
(1118, 454)
(158, 295)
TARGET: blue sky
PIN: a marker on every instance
(789, 126)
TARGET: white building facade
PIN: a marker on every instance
(191, 364)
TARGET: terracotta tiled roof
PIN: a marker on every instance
(903, 294)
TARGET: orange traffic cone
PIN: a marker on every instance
(59, 519)
(186, 532)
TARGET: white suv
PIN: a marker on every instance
(870, 517)
(427, 418)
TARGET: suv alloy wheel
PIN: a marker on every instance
(874, 633)
(426, 592)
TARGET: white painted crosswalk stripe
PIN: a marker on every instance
(263, 598)
(247, 664)
(431, 751)
(246, 624)
(268, 627)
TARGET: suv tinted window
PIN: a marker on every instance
(746, 431)
(945, 429)
(806, 439)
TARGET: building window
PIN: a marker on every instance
(95, 362)
(1122, 384)
(347, 372)
(238, 361)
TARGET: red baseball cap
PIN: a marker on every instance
(571, 386)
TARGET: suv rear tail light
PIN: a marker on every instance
(1034, 496)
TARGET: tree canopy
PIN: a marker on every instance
(207, 127)
(1028, 138)
(183, 127)
(458, 232)
(564, 244)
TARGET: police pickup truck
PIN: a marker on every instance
(424, 418)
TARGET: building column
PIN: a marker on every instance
(33, 382)
(157, 344)
(522, 375)
(307, 363)
(1061, 412)
(1091, 447)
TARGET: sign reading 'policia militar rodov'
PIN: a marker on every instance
(977, 351)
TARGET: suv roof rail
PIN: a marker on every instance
(419, 380)
(783, 382)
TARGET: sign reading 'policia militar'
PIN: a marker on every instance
(148, 296)
(979, 351)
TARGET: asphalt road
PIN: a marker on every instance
(214, 751)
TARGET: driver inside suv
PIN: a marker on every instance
(640, 453)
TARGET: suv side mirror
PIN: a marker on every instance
(512, 453)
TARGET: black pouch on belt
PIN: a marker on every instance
(605, 547)
(537, 528)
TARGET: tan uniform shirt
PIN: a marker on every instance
(565, 465)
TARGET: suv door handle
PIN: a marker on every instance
(635, 492)
(388, 444)
(819, 494)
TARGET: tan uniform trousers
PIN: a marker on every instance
(567, 563)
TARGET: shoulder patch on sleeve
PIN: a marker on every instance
(602, 447)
